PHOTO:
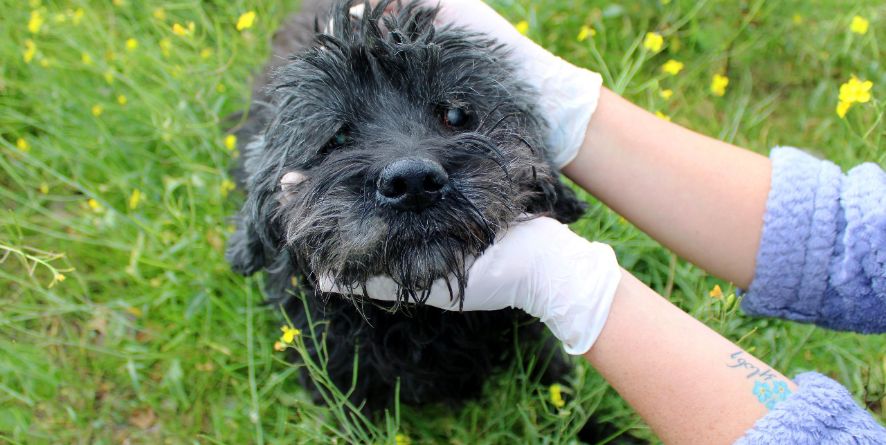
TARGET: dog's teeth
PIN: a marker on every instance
(357, 11)
(291, 179)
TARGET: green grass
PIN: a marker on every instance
(150, 338)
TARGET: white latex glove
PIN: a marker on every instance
(568, 95)
(539, 266)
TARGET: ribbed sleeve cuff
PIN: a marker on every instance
(799, 236)
(821, 412)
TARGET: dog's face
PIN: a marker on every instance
(395, 149)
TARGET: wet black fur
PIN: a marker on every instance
(387, 79)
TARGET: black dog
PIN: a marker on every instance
(402, 148)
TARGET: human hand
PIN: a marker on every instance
(568, 95)
(539, 266)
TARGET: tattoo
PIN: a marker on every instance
(767, 388)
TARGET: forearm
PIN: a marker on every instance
(698, 196)
(690, 384)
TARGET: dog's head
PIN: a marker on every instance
(396, 148)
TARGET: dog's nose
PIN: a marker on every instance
(411, 184)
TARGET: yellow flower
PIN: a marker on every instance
(289, 334)
(716, 292)
(230, 142)
(118, 2)
(35, 22)
(134, 198)
(585, 32)
(86, 59)
(206, 53)
(843, 108)
(797, 19)
(653, 41)
(131, 44)
(109, 76)
(672, 67)
(279, 346)
(718, 84)
(226, 186)
(23, 145)
(77, 16)
(662, 116)
(180, 30)
(522, 27)
(95, 205)
(44, 188)
(30, 51)
(60, 277)
(666, 93)
(246, 20)
(121, 99)
(165, 45)
(97, 110)
(556, 394)
(402, 439)
(160, 14)
(859, 25)
(856, 90)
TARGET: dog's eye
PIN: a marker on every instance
(341, 138)
(455, 117)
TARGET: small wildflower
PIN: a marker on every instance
(851, 92)
(843, 108)
(118, 2)
(206, 53)
(522, 27)
(44, 188)
(134, 198)
(402, 439)
(23, 145)
(289, 334)
(181, 31)
(230, 142)
(585, 32)
(226, 186)
(95, 205)
(797, 19)
(109, 76)
(662, 116)
(160, 14)
(35, 22)
(666, 93)
(653, 41)
(86, 59)
(716, 292)
(131, 44)
(672, 67)
(718, 84)
(165, 45)
(60, 277)
(77, 16)
(30, 51)
(859, 25)
(121, 99)
(245, 20)
(279, 346)
(556, 395)
(97, 110)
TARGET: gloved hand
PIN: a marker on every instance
(568, 95)
(538, 266)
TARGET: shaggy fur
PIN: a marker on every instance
(343, 106)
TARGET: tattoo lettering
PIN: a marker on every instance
(753, 370)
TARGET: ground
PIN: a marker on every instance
(121, 321)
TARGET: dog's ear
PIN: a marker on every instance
(245, 251)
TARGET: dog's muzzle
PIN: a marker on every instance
(411, 184)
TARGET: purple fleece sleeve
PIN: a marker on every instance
(822, 256)
(820, 412)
